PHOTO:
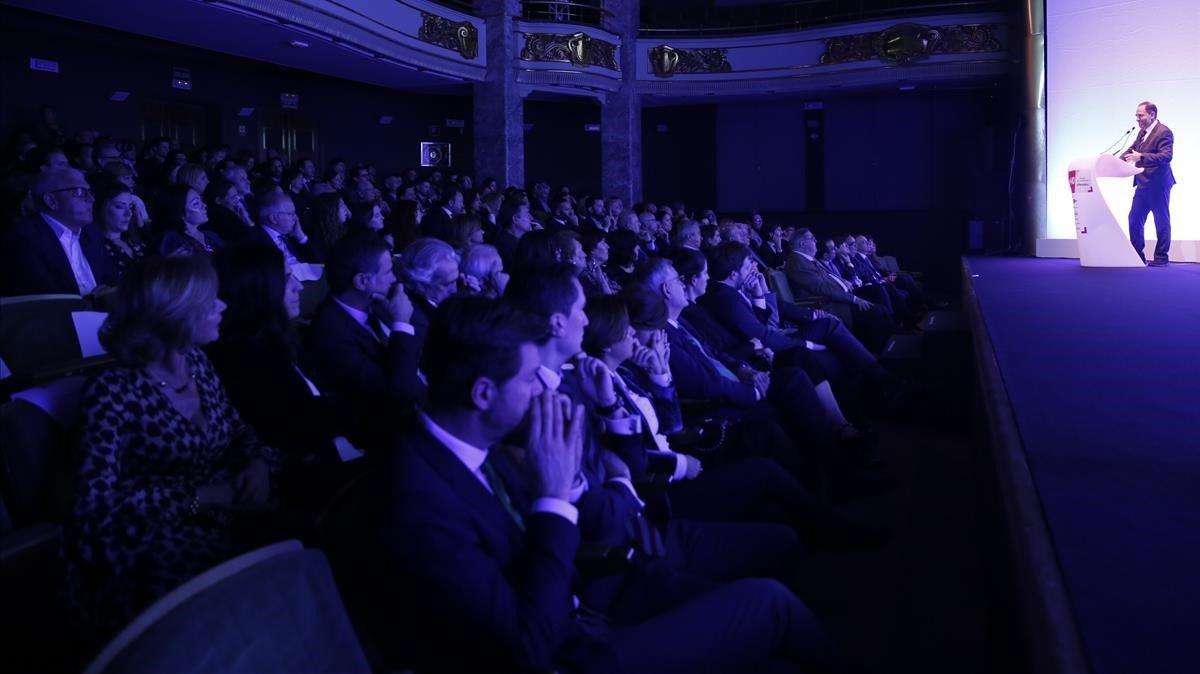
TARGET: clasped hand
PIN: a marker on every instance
(555, 443)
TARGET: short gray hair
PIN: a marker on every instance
(422, 259)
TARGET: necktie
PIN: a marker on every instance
(1140, 137)
(720, 367)
(497, 485)
(377, 328)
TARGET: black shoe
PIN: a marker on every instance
(1157, 263)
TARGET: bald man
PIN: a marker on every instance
(56, 250)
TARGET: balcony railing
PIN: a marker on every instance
(582, 12)
(796, 15)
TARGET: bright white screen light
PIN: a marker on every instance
(1103, 58)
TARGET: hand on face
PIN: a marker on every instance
(555, 443)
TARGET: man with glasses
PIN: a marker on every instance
(279, 225)
(54, 251)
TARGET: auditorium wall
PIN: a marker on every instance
(884, 151)
(94, 62)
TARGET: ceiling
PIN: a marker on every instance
(199, 24)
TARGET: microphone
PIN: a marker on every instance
(1120, 140)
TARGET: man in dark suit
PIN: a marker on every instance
(279, 225)
(361, 344)
(437, 221)
(478, 571)
(56, 250)
(807, 277)
(1151, 151)
(514, 221)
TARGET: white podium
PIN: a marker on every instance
(1102, 241)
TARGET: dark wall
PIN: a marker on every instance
(883, 152)
(760, 156)
(678, 155)
(558, 150)
(95, 61)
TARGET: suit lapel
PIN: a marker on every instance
(482, 504)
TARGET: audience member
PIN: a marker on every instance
(165, 459)
(113, 212)
(56, 250)
(482, 271)
(181, 214)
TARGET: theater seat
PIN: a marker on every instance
(275, 609)
(37, 332)
(783, 290)
(36, 445)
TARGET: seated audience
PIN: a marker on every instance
(56, 250)
(113, 212)
(463, 232)
(181, 215)
(327, 223)
(361, 344)
(279, 225)
(257, 359)
(595, 250)
(514, 221)
(482, 271)
(455, 524)
(429, 272)
(807, 277)
(165, 460)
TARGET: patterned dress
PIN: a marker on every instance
(130, 539)
(120, 258)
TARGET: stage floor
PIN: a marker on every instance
(1102, 370)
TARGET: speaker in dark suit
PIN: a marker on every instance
(1151, 151)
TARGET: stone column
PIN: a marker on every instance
(621, 112)
(499, 109)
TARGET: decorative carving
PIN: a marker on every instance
(666, 60)
(579, 49)
(461, 37)
(909, 42)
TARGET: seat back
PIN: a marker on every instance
(780, 286)
(275, 609)
(37, 331)
(37, 429)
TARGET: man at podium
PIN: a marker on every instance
(1151, 151)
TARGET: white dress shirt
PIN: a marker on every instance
(69, 240)
(473, 457)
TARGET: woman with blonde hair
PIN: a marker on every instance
(165, 460)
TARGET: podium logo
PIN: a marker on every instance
(1079, 180)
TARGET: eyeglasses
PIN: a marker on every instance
(77, 192)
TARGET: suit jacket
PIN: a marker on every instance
(33, 261)
(435, 223)
(475, 592)
(697, 378)
(346, 359)
(304, 252)
(808, 277)
(744, 320)
(1157, 150)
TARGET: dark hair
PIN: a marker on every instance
(535, 249)
(591, 238)
(508, 211)
(726, 259)
(252, 279)
(472, 337)
(355, 253)
(460, 228)
(172, 205)
(647, 308)
(689, 262)
(543, 291)
(361, 213)
(401, 223)
(323, 218)
(1150, 108)
(608, 320)
(158, 307)
(106, 191)
(622, 248)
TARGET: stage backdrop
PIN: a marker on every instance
(1103, 58)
